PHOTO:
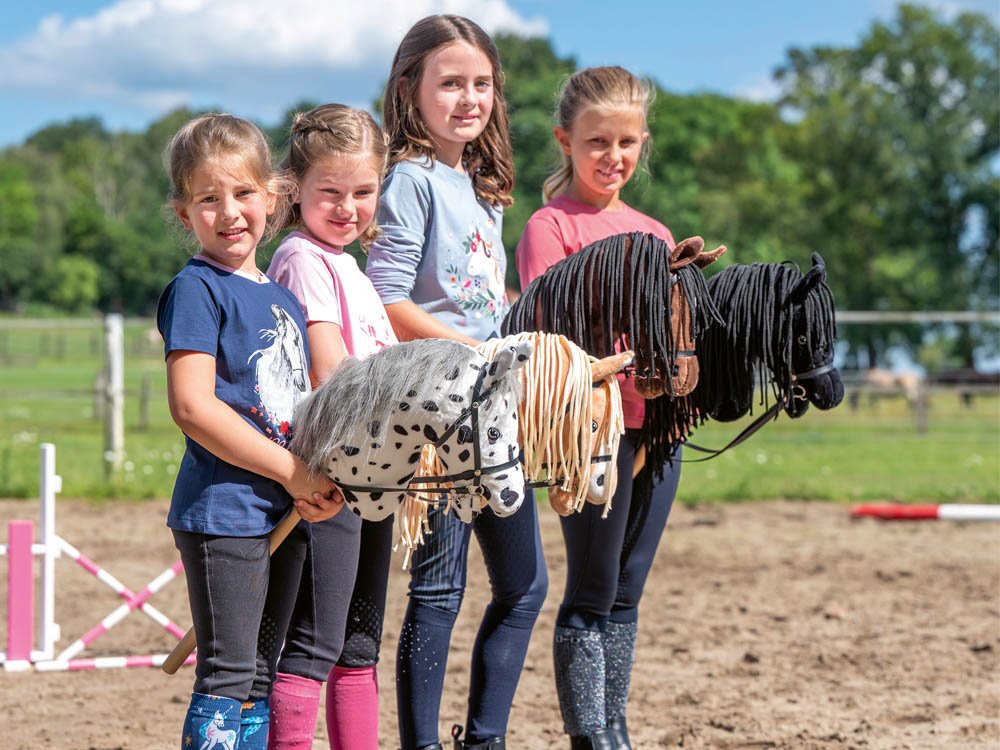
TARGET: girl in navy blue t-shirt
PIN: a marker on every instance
(237, 364)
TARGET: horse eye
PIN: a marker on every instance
(803, 340)
(593, 425)
(493, 433)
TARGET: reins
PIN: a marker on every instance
(475, 474)
(798, 392)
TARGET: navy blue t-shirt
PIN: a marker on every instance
(256, 333)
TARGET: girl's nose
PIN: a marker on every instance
(230, 210)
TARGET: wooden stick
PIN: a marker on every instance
(186, 645)
(639, 461)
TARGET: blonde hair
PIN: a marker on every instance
(334, 130)
(223, 140)
(609, 87)
(488, 159)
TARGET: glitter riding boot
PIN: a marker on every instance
(578, 657)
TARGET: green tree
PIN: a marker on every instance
(19, 219)
(718, 169)
(533, 74)
(898, 141)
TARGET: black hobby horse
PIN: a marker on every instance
(779, 334)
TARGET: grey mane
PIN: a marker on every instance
(362, 396)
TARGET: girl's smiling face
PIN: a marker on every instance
(455, 98)
(227, 212)
(604, 146)
(337, 199)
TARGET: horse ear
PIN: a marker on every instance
(602, 368)
(813, 277)
(510, 358)
(706, 259)
(685, 252)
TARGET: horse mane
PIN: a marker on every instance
(363, 394)
(627, 278)
(559, 373)
(754, 348)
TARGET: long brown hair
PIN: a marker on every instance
(609, 87)
(334, 130)
(488, 159)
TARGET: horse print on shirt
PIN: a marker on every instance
(282, 380)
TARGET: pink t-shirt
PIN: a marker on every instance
(564, 226)
(332, 289)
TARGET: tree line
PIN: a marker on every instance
(882, 157)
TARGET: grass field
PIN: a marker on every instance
(872, 454)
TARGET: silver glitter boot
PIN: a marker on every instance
(619, 653)
(579, 670)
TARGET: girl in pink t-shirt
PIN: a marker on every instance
(602, 132)
(337, 157)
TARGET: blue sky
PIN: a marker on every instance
(129, 61)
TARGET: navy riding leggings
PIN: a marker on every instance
(512, 551)
(608, 559)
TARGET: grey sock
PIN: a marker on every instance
(579, 668)
(619, 652)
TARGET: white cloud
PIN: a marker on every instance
(263, 55)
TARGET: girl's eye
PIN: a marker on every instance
(207, 199)
(803, 340)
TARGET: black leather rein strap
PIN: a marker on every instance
(475, 474)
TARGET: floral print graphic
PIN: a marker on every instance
(476, 279)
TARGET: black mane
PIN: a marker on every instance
(755, 347)
(626, 278)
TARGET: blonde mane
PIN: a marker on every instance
(555, 417)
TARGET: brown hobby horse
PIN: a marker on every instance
(632, 291)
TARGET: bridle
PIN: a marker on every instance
(553, 481)
(477, 471)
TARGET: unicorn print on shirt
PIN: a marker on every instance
(479, 286)
(281, 374)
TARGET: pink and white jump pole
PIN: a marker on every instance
(21, 551)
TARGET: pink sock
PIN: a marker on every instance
(294, 705)
(352, 708)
